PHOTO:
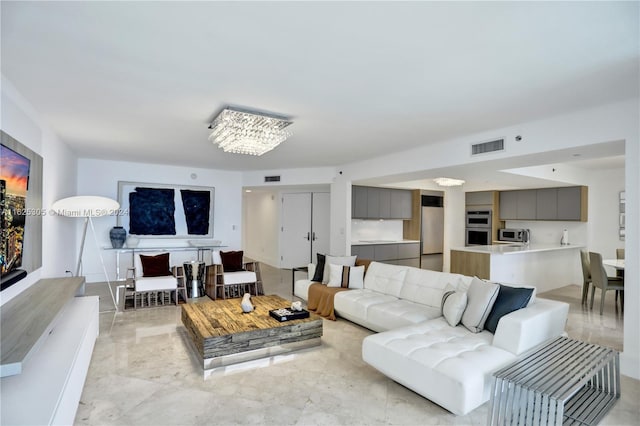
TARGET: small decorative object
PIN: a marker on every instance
(246, 303)
(296, 306)
(117, 235)
(565, 238)
(132, 241)
(286, 314)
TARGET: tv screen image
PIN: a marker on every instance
(14, 183)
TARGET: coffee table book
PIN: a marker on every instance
(285, 314)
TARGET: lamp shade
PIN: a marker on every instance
(85, 206)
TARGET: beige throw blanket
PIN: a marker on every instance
(321, 300)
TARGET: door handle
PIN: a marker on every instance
(313, 236)
(308, 237)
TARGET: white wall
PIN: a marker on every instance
(261, 212)
(454, 223)
(604, 189)
(100, 177)
(20, 120)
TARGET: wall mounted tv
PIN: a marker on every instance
(20, 211)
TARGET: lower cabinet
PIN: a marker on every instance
(407, 254)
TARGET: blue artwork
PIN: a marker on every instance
(152, 211)
(196, 210)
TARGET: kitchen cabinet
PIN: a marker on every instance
(359, 202)
(380, 203)
(397, 254)
(566, 204)
(482, 198)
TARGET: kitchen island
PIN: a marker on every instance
(545, 266)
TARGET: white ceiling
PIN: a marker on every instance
(140, 81)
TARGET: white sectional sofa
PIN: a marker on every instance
(416, 347)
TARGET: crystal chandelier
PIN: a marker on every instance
(248, 132)
(443, 181)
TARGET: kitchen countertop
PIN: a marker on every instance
(376, 242)
(516, 248)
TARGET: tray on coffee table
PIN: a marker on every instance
(286, 314)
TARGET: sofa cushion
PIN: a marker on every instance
(346, 276)
(453, 305)
(239, 277)
(319, 270)
(336, 260)
(354, 304)
(449, 365)
(509, 299)
(385, 278)
(301, 289)
(426, 286)
(399, 313)
(155, 266)
(480, 299)
(232, 260)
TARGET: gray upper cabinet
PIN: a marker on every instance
(508, 205)
(400, 204)
(569, 203)
(380, 203)
(384, 210)
(373, 203)
(479, 198)
(359, 202)
(547, 204)
(526, 207)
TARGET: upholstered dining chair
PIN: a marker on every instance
(152, 277)
(586, 275)
(600, 280)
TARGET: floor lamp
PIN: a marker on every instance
(87, 207)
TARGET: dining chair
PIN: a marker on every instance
(620, 255)
(600, 280)
(586, 275)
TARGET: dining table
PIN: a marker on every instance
(614, 263)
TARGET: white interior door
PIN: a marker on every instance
(295, 249)
(320, 213)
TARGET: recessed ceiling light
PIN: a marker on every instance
(443, 181)
(247, 190)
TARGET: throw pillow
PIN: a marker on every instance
(336, 260)
(232, 260)
(480, 299)
(453, 305)
(155, 266)
(346, 276)
(318, 275)
(509, 299)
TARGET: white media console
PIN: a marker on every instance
(48, 336)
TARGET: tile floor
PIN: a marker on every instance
(143, 372)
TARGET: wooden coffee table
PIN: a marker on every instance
(222, 334)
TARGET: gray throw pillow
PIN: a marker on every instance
(480, 299)
(453, 305)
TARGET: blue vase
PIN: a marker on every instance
(118, 235)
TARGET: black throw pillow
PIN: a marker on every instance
(318, 275)
(155, 266)
(232, 260)
(509, 299)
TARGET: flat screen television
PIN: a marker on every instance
(16, 201)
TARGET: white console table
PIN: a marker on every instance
(47, 342)
(134, 250)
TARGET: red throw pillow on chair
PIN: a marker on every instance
(155, 266)
(232, 260)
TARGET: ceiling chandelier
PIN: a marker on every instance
(443, 181)
(243, 131)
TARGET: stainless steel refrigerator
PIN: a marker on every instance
(432, 232)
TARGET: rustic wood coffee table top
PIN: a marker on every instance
(220, 328)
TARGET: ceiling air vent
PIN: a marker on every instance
(272, 178)
(485, 147)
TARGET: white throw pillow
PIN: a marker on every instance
(346, 276)
(480, 299)
(336, 260)
(453, 305)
